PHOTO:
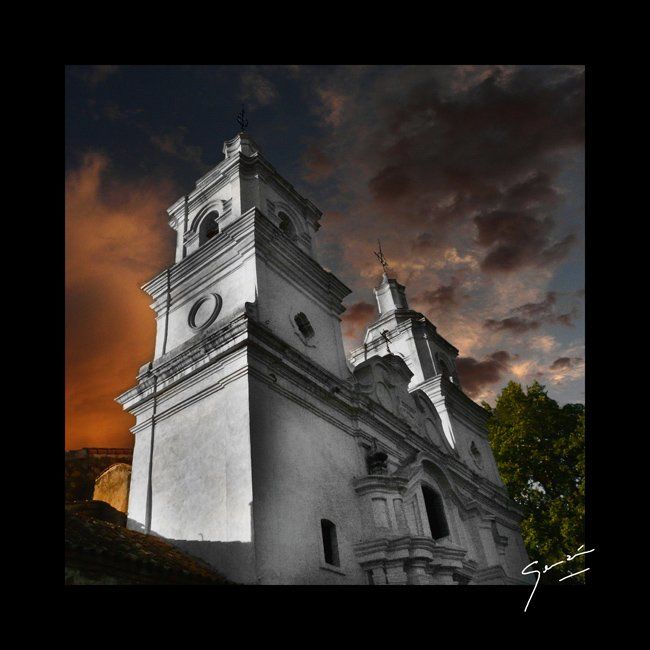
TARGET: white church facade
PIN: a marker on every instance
(260, 448)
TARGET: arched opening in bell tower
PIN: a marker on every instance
(209, 227)
(286, 225)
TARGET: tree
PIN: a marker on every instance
(539, 448)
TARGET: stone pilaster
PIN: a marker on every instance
(444, 575)
(417, 572)
(378, 575)
(395, 574)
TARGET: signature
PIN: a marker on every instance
(547, 568)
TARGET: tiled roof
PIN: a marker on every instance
(91, 541)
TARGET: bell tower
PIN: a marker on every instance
(244, 259)
(246, 231)
(432, 359)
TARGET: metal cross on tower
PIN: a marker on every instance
(380, 256)
(242, 119)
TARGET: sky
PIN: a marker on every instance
(471, 176)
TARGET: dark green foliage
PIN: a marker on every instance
(539, 448)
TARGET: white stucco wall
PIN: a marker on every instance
(281, 299)
(302, 472)
(201, 473)
(234, 286)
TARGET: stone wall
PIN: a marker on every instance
(112, 486)
(83, 466)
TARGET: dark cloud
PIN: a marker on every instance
(517, 234)
(257, 89)
(483, 149)
(318, 166)
(532, 315)
(175, 144)
(565, 362)
(475, 375)
(424, 243)
(116, 113)
(96, 74)
(512, 324)
(446, 295)
(390, 184)
(518, 239)
(532, 192)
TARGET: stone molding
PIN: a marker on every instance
(412, 559)
(240, 164)
(253, 234)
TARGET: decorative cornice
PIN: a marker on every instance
(409, 547)
(252, 234)
(456, 402)
(290, 261)
(380, 483)
(403, 321)
(239, 164)
(205, 348)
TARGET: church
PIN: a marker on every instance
(264, 451)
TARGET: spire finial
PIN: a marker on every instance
(242, 119)
(382, 260)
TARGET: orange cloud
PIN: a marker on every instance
(355, 320)
(117, 238)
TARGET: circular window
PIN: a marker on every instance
(304, 325)
(205, 311)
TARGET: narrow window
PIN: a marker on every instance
(286, 226)
(304, 325)
(330, 544)
(435, 513)
(476, 454)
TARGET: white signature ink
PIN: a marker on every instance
(547, 568)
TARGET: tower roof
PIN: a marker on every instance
(391, 295)
(243, 143)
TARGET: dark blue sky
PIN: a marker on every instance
(125, 113)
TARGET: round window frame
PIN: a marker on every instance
(198, 304)
(312, 341)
